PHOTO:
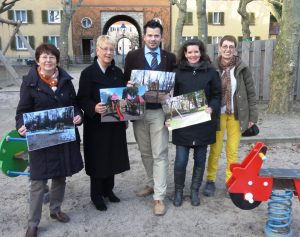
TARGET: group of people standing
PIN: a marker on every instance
(230, 94)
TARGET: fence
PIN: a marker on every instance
(258, 55)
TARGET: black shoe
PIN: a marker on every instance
(112, 197)
(99, 204)
(178, 197)
(31, 232)
(195, 200)
(209, 189)
(60, 216)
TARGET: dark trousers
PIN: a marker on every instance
(101, 186)
(182, 157)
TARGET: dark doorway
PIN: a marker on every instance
(87, 46)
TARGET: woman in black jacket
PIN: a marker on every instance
(195, 73)
(48, 86)
(105, 144)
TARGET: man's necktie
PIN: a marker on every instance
(154, 62)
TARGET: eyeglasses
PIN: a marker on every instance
(231, 47)
(51, 58)
(108, 50)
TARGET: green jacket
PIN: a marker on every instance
(245, 109)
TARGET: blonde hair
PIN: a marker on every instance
(102, 39)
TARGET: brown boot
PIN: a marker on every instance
(159, 208)
(145, 192)
(31, 232)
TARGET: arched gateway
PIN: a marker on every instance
(123, 22)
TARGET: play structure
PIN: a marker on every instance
(250, 185)
(13, 154)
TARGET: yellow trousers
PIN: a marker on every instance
(232, 128)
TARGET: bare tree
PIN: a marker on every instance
(275, 7)
(68, 12)
(242, 10)
(181, 4)
(284, 69)
(202, 20)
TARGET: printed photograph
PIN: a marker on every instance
(49, 127)
(186, 110)
(123, 103)
(159, 85)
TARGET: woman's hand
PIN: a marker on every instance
(208, 110)
(77, 119)
(130, 84)
(100, 108)
(167, 123)
(22, 131)
(250, 124)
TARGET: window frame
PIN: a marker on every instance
(49, 17)
(17, 38)
(25, 13)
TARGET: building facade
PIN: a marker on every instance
(40, 23)
(223, 19)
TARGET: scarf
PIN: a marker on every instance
(226, 81)
(49, 80)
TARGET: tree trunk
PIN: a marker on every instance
(64, 43)
(179, 24)
(202, 20)
(242, 10)
(283, 75)
(68, 12)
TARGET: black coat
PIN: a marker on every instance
(60, 160)
(105, 144)
(189, 79)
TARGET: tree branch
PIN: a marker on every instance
(7, 5)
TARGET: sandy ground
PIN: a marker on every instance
(216, 216)
(133, 217)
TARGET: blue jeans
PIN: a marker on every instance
(182, 156)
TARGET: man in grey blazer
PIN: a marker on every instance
(150, 133)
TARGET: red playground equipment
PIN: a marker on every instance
(249, 185)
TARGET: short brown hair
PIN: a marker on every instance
(47, 48)
(230, 38)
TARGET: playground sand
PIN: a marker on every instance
(133, 216)
(216, 216)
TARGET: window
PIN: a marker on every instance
(86, 22)
(240, 38)
(185, 38)
(188, 18)
(20, 15)
(215, 18)
(251, 16)
(54, 16)
(19, 44)
(216, 39)
(52, 39)
(25, 16)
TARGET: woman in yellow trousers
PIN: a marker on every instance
(238, 111)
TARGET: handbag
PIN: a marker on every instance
(252, 131)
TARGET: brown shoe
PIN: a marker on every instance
(159, 208)
(60, 216)
(145, 192)
(31, 232)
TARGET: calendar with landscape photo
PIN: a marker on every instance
(158, 84)
(49, 127)
(186, 110)
(123, 103)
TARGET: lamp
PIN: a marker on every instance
(123, 28)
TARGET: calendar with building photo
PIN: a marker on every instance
(158, 84)
(186, 110)
(123, 103)
(49, 127)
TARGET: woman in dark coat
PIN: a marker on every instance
(105, 145)
(48, 86)
(195, 73)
